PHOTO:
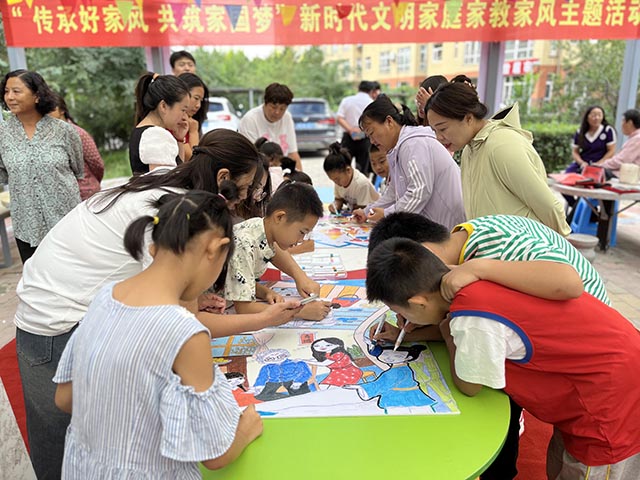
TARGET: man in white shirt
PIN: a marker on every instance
(354, 139)
(272, 121)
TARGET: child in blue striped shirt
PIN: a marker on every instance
(136, 375)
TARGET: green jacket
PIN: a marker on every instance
(503, 174)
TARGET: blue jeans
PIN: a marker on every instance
(38, 358)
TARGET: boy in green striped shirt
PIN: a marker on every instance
(514, 251)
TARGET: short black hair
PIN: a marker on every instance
(278, 93)
(175, 56)
(399, 269)
(365, 86)
(297, 199)
(633, 114)
(407, 225)
(33, 81)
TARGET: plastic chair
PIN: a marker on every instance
(582, 223)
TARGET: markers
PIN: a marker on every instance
(371, 212)
(403, 332)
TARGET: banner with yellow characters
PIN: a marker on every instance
(93, 23)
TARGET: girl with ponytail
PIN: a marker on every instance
(140, 353)
(424, 178)
(352, 188)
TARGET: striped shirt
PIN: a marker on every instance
(132, 417)
(514, 238)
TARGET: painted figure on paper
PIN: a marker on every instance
(237, 380)
(330, 353)
(396, 387)
(280, 377)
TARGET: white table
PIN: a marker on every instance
(606, 199)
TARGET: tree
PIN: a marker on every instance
(591, 75)
(98, 85)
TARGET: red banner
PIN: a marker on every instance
(129, 23)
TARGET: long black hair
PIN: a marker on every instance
(180, 218)
(320, 356)
(584, 125)
(194, 81)
(33, 81)
(218, 149)
(151, 89)
(338, 158)
(382, 107)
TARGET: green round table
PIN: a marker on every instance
(438, 447)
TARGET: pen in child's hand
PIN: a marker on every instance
(403, 332)
(380, 325)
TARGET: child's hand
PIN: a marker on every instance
(359, 216)
(459, 277)
(375, 214)
(315, 311)
(250, 426)
(306, 287)
(305, 246)
(212, 303)
(332, 208)
(273, 297)
(281, 313)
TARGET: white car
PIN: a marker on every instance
(221, 114)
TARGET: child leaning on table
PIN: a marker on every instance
(352, 188)
(137, 371)
(567, 362)
(291, 214)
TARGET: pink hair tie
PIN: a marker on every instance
(223, 197)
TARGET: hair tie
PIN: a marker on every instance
(196, 150)
(156, 220)
(153, 78)
(223, 197)
(286, 171)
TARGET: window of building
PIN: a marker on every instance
(436, 52)
(508, 90)
(422, 58)
(404, 59)
(515, 49)
(548, 86)
(385, 62)
(471, 53)
(367, 63)
(553, 48)
(358, 66)
(334, 49)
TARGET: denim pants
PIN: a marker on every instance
(38, 358)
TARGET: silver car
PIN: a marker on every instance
(221, 114)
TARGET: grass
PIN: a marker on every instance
(116, 163)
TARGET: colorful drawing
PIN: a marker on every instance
(340, 231)
(311, 369)
(319, 266)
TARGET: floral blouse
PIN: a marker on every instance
(41, 173)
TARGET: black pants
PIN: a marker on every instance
(25, 249)
(504, 466)
(360, 150)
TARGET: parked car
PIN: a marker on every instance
(221, 114)
(315, 123)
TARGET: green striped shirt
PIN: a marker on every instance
(513, 238)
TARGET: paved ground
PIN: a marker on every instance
(619, 267)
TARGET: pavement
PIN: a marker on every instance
(619, 266)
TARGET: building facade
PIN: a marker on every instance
(529, 64)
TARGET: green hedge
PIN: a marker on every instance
(552, 141)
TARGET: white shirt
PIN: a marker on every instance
(359, 193)
(82, 253)
(482, 347)
(352, 107)
(254, 125)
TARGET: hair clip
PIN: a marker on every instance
(188, 216)
(286, 171)
(156, 220)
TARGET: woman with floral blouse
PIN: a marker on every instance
(40, 158)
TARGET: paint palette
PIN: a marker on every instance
(320, 266)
